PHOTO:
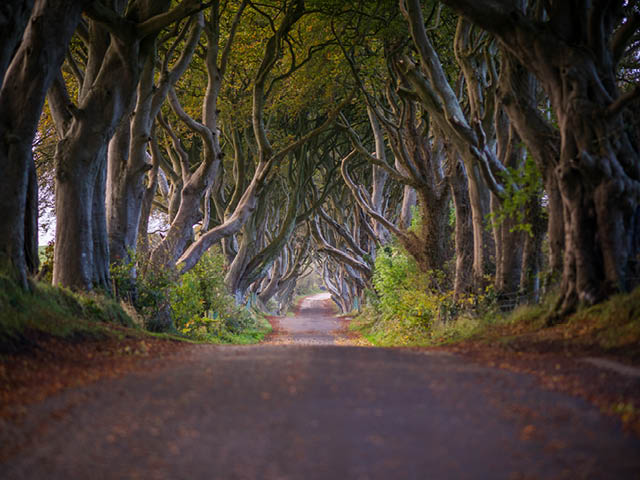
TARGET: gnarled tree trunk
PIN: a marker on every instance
(574, 56)
(31, 70)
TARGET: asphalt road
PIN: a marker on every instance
(311, 410)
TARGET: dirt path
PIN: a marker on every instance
(315, 324)
(311, 410)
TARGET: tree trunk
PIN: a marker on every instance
(106, 97)
(518, 97)
(80, 161)
(31, 222)
(463, 280)
(13, 21)
(574, 57)
(429, 246)
(379, 177)
(508, 238)
(79, 168)
(121, 196)
(24, 85)
(101, 263)
(128, 159)
(479, 200)
(147, 201)
(532, 253)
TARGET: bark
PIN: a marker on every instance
(81, 158)
(119, 216)
(147, 199)
(508, 238)
(128, 158)
(518, 97)
(272, 286)
(430, 246)
(572, 55)
(463, 278)
(195, 185)
(31, 253)
(31, 71)
(409, 200)
(248, 201)
(14, 15)
(471, 136)
(379, 176)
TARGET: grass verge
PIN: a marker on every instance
(51, 312)
(610, 328)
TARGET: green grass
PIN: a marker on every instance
(54, 312)
(610, 327)
(27, 317)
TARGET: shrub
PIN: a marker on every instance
(406, 307)
(201, 305)
(196, 303)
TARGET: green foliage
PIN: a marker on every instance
(402, 303)
(405, 309)
(147, 291)
(198, 301)
(46, 262)
(523, 186)
(416, 219)
(202, 308)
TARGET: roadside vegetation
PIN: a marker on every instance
(408, 308)
(201, 307)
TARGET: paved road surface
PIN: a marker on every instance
(314, 325)
(303, 411)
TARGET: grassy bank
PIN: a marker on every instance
(29, 318)
(48, 312)
(611, 328)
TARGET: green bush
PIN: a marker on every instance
(147, 290)
(196, 303)
(406, 307)
(202, 307)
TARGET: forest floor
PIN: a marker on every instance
(307, 403)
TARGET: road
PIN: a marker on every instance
(302, 408)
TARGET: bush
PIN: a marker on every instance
(407, 308)
(202, 307)
(197, 303)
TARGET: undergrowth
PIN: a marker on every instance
(406, 310)
(411, 308)
(197, 302)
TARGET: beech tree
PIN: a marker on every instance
(574, 53)
(128, 157)
(267, 156)
(118, 38)
(30, 55)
